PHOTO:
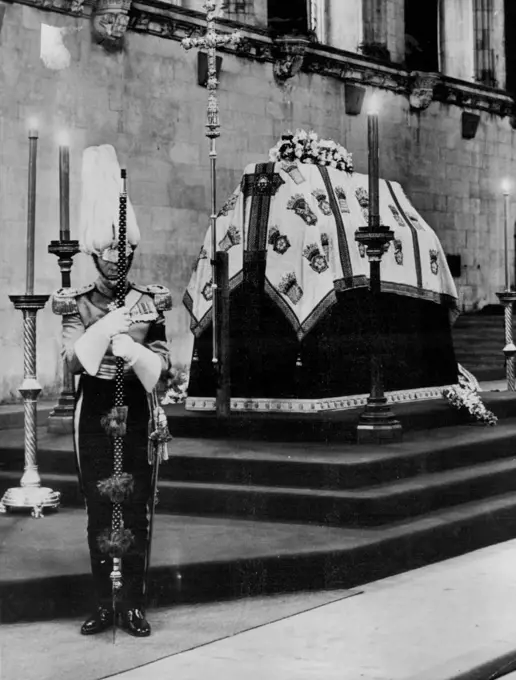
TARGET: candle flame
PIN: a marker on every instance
(506, 186)
(373, 106)
(32, 125)
(63, 138)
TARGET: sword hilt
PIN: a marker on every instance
(116, 574)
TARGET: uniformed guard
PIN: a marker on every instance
(95, 333)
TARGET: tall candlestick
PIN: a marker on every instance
(31, 211)
(374, 167)
(64, 193)
(506, 239)
(377, 423)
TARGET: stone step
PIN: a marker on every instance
(44, 570)
(327, 426)
(371, 506)
(312, 465)
(368, 506)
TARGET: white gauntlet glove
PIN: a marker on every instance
(146, 364)
(91, 347)
(113, 323)
(124, 346)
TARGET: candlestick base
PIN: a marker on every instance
(507, 298)
(34, 498)
(377, 424)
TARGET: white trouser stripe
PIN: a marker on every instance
(76, 419)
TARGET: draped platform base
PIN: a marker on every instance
(329, 369)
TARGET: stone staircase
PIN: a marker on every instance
(281, 503)
(242, 517)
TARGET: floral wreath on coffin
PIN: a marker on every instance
(308, 147)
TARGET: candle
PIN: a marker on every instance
(64, 193)
(374, 162)
(505, 188)
(31, 211)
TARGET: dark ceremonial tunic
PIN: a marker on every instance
(94, 448)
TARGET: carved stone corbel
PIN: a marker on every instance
(422, 88)
(289, 55)
(110, 21)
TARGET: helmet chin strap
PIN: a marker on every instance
(109, 282)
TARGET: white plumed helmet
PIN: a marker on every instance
(101, 185)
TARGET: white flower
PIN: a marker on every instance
(463, 396)
(313, 150)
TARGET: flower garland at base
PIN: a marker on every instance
(463, 396)
(177, 385)
(307, 147)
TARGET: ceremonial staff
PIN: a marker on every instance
(211, 41)
(116, 541)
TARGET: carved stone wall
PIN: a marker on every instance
(145, 100)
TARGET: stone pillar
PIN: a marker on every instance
(260, 13)
(345, 24)
(253, 12)
(374, 13)
(457, 39)
(488, 26)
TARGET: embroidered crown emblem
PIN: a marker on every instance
(299, 205)
(342, 200)
(397, 216)
(290, 287)
(231, 238)
(434, 261)
(362, 197)
(322, 200)
(398, 251)
(203, 255)
(279, 242)
(207, 291)
(293, 171)
(325, 242)
(316, 259)
(228, 205)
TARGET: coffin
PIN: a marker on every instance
(300, 307)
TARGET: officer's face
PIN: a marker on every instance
(108, 267)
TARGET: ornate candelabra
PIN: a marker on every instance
(507, 298)
(211, 41)
(377, 423)
(30, 493)
(60, 420)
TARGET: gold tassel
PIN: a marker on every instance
(117, 488)
(115, 542)
(115, 422)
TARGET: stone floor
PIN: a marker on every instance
(454, 619)
(451, 620)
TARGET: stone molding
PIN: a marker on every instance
(289, 55)
(422, 89)
(175, 23)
